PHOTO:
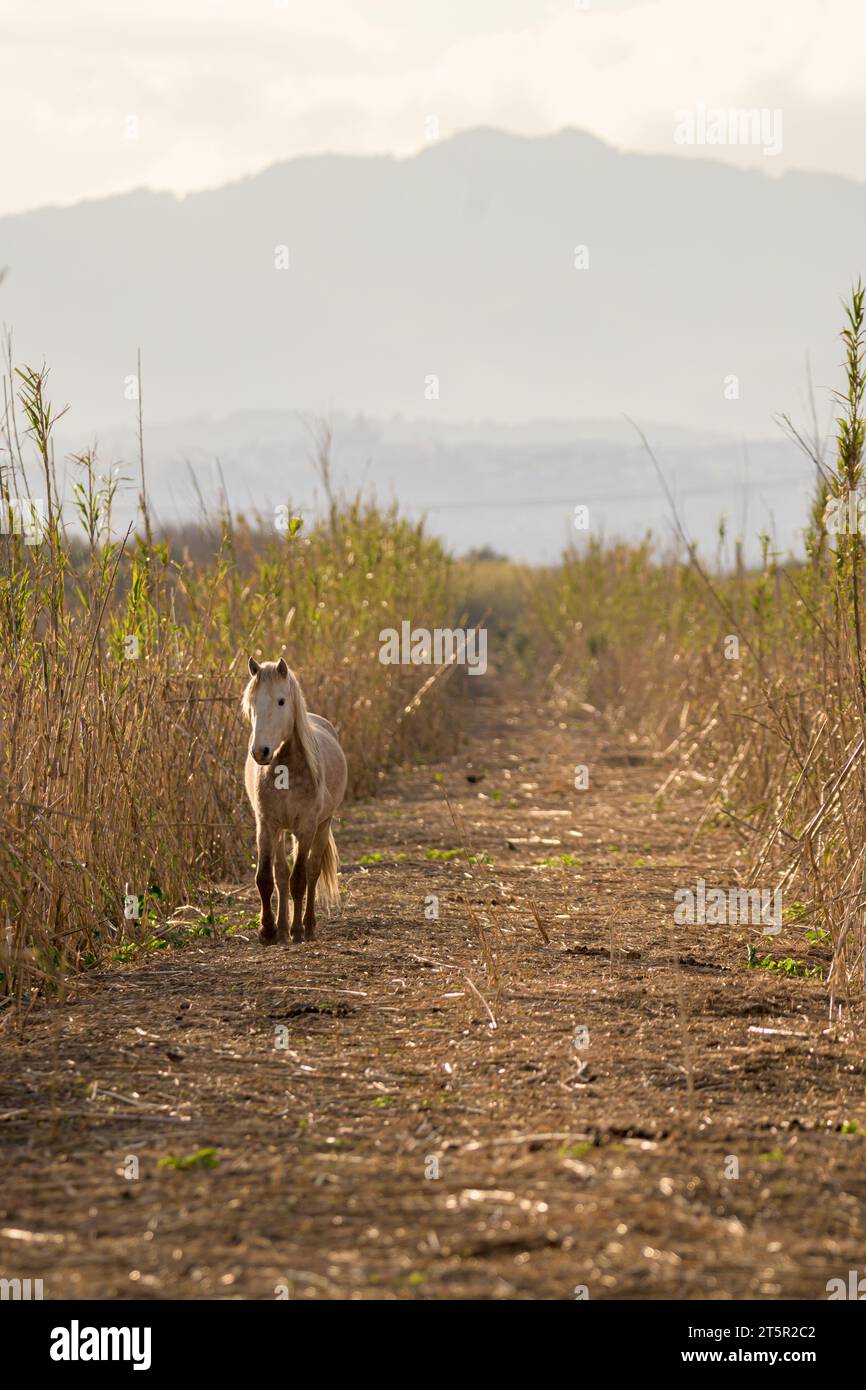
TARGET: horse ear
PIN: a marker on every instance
(282, 668)
(254, 667)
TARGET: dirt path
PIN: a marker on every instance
(336, 1080)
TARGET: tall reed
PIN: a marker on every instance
(752, 681)
(123, 661)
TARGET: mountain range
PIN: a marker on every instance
(489, 297)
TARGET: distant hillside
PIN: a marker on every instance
(512, 488)
(456, 263)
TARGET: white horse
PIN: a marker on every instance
(295, 778)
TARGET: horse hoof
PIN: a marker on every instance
(267, 936)
(282, 937)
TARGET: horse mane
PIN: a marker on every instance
(305, 733)
(247, 700)
(302, 728)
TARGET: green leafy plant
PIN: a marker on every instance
(204, 1158)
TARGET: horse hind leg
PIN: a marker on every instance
(314, 868)
(265, 882)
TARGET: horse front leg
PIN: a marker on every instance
(281, 873)
(265, 882)
(299, 888)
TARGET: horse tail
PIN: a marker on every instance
(328, 884)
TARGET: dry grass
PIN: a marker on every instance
(752, 680)
(123, 775)
(121, 740)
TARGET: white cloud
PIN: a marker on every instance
(222, 87)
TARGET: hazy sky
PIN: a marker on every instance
(99, 96)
